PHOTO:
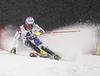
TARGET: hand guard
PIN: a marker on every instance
(36, 33)
(13, 51)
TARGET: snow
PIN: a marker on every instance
(74, 49)
(13, 65)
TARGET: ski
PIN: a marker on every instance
(55, 56)
(34, 54)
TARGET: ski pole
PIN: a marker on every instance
(65, 31)
(4, 49)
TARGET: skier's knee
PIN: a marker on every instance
(28, 42)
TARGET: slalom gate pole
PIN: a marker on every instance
(65, 31)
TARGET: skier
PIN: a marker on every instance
(3, 39)
(29, 32)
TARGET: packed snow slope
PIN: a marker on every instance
(75, 48)
(13, 65)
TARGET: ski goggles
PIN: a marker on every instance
(29, 25)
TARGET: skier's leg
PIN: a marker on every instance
(37, 41)
(47, 50)
(40, 44)
(33, 46)
(52, 54)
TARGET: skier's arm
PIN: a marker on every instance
(39, 31)
(16, 37)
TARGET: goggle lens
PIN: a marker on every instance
(30, 25)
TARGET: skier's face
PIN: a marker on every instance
(29, 26)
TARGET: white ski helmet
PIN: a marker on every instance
(29, 23)
(29, 20)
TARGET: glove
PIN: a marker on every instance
(13, 51)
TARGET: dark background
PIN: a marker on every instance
(49, 14)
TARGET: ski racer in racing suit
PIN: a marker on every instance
(29, 32)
